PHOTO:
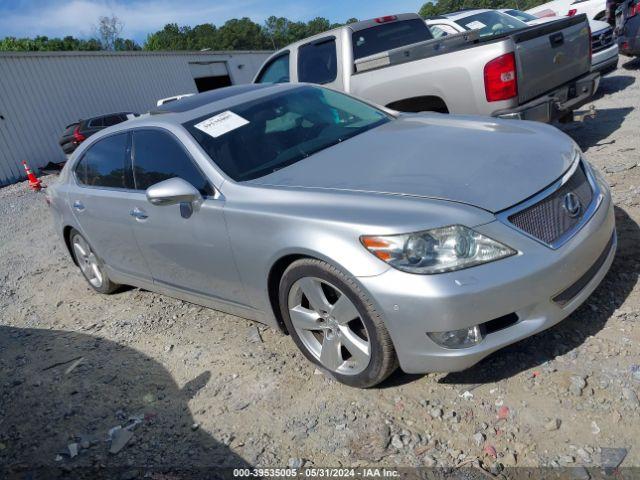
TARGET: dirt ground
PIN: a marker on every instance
(192, 387)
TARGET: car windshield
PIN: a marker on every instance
(520, 15)
(254, 139)
(491, 23)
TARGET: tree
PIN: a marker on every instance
(108, 31)
(242, 34)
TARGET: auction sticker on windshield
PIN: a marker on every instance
(475, 25)
(222, 123)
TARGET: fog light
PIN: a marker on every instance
(464, 338)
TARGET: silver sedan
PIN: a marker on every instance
(373, 238)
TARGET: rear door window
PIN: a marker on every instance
(104, 163)
(317, 62)
(388, 36)
(276, 71)
(158, 156)
(112, 120)
(96, 123)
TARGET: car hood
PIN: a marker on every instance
(488, 163)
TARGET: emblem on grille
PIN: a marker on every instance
(572, 205)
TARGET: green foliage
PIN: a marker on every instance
(447, 6)
(46, 44)
(238, 34)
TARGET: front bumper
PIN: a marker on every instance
(605, 61)
(524, 284)
(557, 103)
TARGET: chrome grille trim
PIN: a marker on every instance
(589, 210)
(601, 40)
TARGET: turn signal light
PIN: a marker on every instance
(500, 78)
(572, 12)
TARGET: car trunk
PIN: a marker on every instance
(550, 55)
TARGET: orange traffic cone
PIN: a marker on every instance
(34, 182)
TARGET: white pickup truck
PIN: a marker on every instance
(536, 73)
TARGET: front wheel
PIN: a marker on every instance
(335, 325)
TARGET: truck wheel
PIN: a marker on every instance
(335, 325)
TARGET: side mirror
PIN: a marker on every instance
(172, 192)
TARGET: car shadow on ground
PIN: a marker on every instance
(62, 395)
(613, 83)
(632, 64)
(591, 132)
(569, 334)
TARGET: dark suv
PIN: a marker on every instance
(624, 15)
(76, 133)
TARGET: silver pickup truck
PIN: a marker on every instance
(537, 73)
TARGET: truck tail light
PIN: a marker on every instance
(79, 138)
(572, 12)
(388, 18)
(500, 78)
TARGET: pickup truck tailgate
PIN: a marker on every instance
(551, 54)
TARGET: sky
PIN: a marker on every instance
(58, 18)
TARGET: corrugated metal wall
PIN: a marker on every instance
(41, 93)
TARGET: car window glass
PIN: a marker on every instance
(112, 120)
(157, 156)
(491, 23)
(388, 36)
(103, 164)
(317, 62)
(277, 71)
(442, 30)
(96, 122)
(282, 129)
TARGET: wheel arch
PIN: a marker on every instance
(426, 103)
(66, 235)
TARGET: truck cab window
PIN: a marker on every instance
(317, 62)
(276, 71)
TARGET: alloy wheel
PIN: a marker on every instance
(329, 326)
(87, 261)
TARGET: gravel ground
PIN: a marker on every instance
(138, 379)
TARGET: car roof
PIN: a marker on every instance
(201, 104)
(105, 115)
(195, 101)
(466, 13)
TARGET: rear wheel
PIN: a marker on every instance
(335, 325)
(90, 265)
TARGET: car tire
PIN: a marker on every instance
(344, 337)
(90, 265)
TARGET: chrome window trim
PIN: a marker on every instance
(590, 210)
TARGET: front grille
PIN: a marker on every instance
(549, 219)
(601, 40)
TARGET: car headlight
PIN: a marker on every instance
(436, 251)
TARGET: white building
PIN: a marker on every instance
(43, 92)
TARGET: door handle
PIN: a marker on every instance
(78, 206)
(138, 213)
